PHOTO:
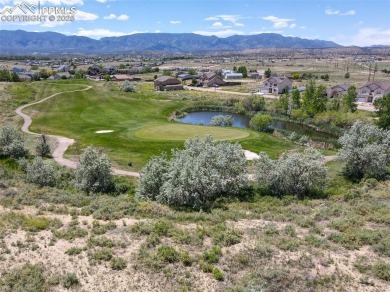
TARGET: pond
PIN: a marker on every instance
(242, 121)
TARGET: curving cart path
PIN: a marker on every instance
(63, 142)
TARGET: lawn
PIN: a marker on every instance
(180, 132)
(139, 122)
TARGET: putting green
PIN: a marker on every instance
(179, 132)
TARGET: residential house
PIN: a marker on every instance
(109, 70)
(275, 85)
(337, 90)
(121, 77)
(184, 77)
(24, 77)
(373, 90)
(93, 70)
(61, 75)
(62, 68)
(226, 71)
(165, 83)
(211, 79)
(233, 76)
(254, 75)
(18, 69)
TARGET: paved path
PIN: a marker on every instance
(63, 142)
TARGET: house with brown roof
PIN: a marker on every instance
(337, 90)
(275, 85)
(165, 83)
(121, 77)
(211, 79)
(373, 90)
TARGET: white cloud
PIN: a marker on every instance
(280, 22)
(217, 24)
(157, 31)
(222, 33)
(81, 15)
(331, 12)
(349, 12)
(111, 16)
(120, 17)
(123, 17)
(227, 17)
(102, 1)
(211, 18)
(365, 37)
(102, 32)
(338, 12)
(175, 22)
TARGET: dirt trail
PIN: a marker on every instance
(62, 142)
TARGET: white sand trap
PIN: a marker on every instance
(104, 131)
(249, 155)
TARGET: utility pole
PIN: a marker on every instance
(369, 73)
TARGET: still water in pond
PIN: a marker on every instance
(242, 121)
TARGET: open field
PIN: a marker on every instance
(79, 115)
(108, 243)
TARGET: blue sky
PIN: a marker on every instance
(347, 22)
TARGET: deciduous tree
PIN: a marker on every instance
(365, 149)
(93, 173)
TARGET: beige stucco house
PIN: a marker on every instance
(275, 85)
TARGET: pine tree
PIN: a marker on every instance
(43, 148)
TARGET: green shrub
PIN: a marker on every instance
(225, 236)
(195, 176)
(70, 280)
(188, 237)
(271, 229)
(314, 240)
(118, 264)
(93, 173)
(383, 246)
(213, 255)
(99, 229)
(28, 278)
(382, 270)
(185, 258)
(167, 254)
(217, 274)
(153, 240)
(206, 267)
(74, 251)
(101, 242)
(40, 173)
(103, 254)
(12, 143)
(71, 233)
(260, 122)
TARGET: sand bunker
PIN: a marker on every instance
(250, 155)
(104, 131)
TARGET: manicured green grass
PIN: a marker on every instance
(180, 132)
(139, 122)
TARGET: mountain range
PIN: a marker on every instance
(19, 41)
